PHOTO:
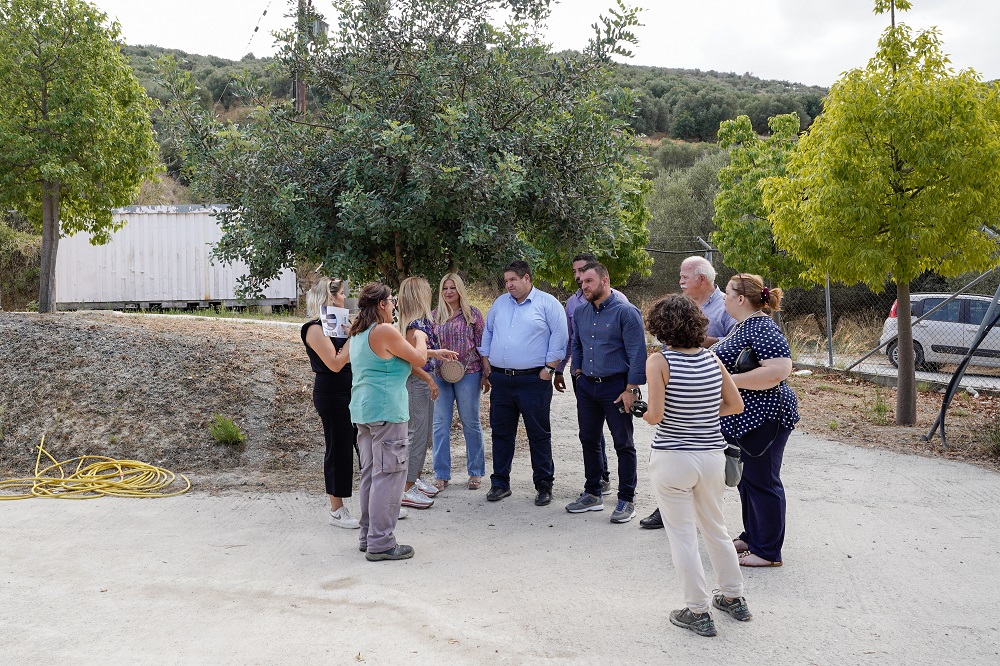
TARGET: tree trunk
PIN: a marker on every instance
(400, 266)
(50, 245)
(906, 389)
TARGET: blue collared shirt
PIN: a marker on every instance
(572, 303)
(720, 324)
(609, 340)
(526, 335)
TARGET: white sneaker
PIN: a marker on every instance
(425, 488)
(403, 513)
(416, 499)
(343, 518)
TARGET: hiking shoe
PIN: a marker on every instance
(425, 488)
(585, 502)
(699, 624)
(343, 518)
(624, 512)
(397, 552)
(497, 493)
(606, 487)
(737, 607)
(416, 499)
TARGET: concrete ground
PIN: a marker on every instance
(888, 559)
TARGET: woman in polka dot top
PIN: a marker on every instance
(767, 420)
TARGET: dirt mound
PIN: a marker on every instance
(147, 388)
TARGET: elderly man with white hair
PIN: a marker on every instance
(698, 283)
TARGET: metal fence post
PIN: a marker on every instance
(829, 322)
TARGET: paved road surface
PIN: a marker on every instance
(889, 558)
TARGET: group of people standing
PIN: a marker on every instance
(385, 384)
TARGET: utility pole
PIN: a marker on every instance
(299, 86)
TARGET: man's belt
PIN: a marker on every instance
(517, 373)
(609, 378)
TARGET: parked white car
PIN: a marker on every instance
(946, 335)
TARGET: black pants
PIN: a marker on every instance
(512, 398)
(341, 441)
(595, 406)
(762, 494)
(606, 474)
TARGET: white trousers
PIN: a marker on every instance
(688, 486)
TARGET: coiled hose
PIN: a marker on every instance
(95, 476)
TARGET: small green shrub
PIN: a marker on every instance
(880, 409)
(832, 424)
(224, 431)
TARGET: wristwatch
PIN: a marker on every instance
(635, 391)
(551, 370)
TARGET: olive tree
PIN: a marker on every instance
(75, 134)
(435, 137)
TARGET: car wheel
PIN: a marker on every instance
(892, 351)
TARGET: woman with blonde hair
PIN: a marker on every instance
(330, 361)
(459, 326)
(771, 413)
(421, 389)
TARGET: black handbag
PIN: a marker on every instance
(746, 360)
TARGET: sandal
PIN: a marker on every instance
(741, 546)
(440, 484)
(475, 482)
(748, 559)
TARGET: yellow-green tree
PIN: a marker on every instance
(75, 135)
(898, 176)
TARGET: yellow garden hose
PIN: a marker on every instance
(103, 476)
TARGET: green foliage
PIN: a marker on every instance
(74, 124)
(682, 202)
(744, 231)
(225, 431)
(19, 250)
(690, 104)
(899, 175)
(438, 141)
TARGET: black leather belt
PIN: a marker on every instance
(517, 373)
(610, 378)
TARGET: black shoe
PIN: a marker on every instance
(543, 498)
(497, 493)
(397, 552)
(652, 521)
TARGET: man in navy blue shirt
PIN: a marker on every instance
(525, 338)
(609, 362)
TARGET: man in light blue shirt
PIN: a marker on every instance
(525, 338)
(697, 281)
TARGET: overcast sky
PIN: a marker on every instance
(804, 41)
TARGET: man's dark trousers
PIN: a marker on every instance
(606, 474)
(595, 405)
(510, 399)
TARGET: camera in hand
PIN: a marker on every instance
(639, 406)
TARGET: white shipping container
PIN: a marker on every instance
(160, 258)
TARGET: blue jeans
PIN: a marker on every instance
(465, 393)
(511, 398)
(595, 405)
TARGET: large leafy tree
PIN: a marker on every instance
(435, 138)
(744, 229)
(75, 134)
(898, 176)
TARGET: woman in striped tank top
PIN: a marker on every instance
(688, 390)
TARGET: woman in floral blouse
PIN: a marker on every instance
(459, 327)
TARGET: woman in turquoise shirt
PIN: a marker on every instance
(381, 360)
